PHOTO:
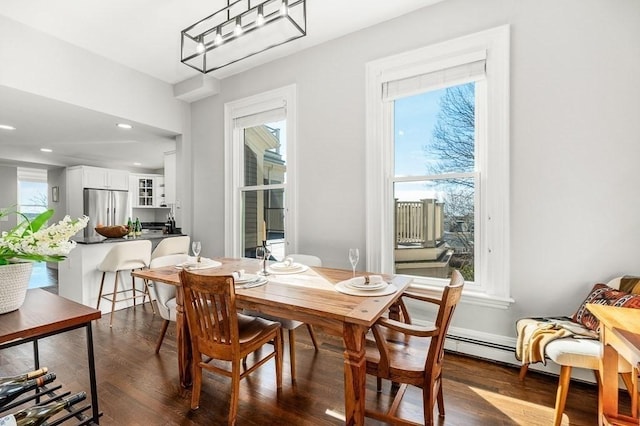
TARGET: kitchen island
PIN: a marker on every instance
(79, 277)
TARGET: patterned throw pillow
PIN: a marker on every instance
(602, 294)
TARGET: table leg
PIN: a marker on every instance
(355, 373)
(183, 340)
(609, 385)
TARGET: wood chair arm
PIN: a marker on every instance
(410, 329)
(421, 297)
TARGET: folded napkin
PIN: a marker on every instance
(237, 275)
(366, 280)
(287, 262)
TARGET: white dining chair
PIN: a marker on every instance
(165, 294)
(291, 325)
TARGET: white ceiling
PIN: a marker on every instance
(143, 35)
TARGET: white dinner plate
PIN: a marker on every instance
(203, 264)
(247, 278)
(285, 266)
(343, 288)
(364, 286)
(290, 270)
(257, 282)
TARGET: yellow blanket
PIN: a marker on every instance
(534, 334)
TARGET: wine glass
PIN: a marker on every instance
(354, 256)
(196, 247)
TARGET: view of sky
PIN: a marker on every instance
(415, 117)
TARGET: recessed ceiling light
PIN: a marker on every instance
(6, 127)
(124, 126)
(46, 150)
(137, 164)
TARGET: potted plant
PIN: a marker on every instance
(29, 242)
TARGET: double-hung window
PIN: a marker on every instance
(259, 133)
(438, 164)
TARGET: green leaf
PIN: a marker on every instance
(41, 219)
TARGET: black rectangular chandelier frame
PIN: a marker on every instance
(238, 22)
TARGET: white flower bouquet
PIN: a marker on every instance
(29, 241)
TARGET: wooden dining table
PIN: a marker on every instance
(310, 297)
(620, 336)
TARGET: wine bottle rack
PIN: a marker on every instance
(75, 415)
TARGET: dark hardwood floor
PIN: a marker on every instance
(138, 387)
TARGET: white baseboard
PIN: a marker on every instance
(501, 349)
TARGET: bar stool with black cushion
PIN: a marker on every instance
(171, 245)
(125, 256)
(165, 293)
(291, 325)
(220, 333)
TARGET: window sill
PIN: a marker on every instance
(471, 297)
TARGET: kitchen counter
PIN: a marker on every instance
(144, 236)
(78, 275)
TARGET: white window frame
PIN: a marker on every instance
(492, 286)
(233, 160)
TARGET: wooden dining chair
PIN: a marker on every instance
(408, 354)
(218, 332)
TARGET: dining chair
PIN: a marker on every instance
(408, 354)
(289, 324)
(165, 294)
(219, 332)
(124, 256)
(171, 245)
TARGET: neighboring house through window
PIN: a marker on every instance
(438, 164)
(259, 200)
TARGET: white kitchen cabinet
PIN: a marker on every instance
(147, 191)
(100, 178)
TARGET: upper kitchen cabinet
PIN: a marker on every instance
(99, 178)
(147, 190)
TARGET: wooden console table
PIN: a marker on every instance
(45, 314)
(620, 336)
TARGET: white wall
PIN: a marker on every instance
(8, 195)
(40, 64)
(575, 144)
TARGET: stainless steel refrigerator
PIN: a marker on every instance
(105, 207)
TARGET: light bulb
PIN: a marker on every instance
(238, 31)
(218, 39)
(200, 46)
(260, 18)
(284, 8)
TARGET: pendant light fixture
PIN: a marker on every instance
(241, 29)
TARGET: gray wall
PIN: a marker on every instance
(8, 194)
(575, 144)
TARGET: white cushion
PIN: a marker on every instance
(171, 306)
(581, 353)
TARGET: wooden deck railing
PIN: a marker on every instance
(419, 222)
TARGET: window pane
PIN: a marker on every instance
(265, 154)
(32, 198)
(435, 132)
(263, 219)
(434, 227)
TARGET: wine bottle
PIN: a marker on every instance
(24, 377)
(11, 391)
(138, 227)
(38, 414)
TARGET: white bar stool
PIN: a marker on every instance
(171, 245)
(125, 256)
